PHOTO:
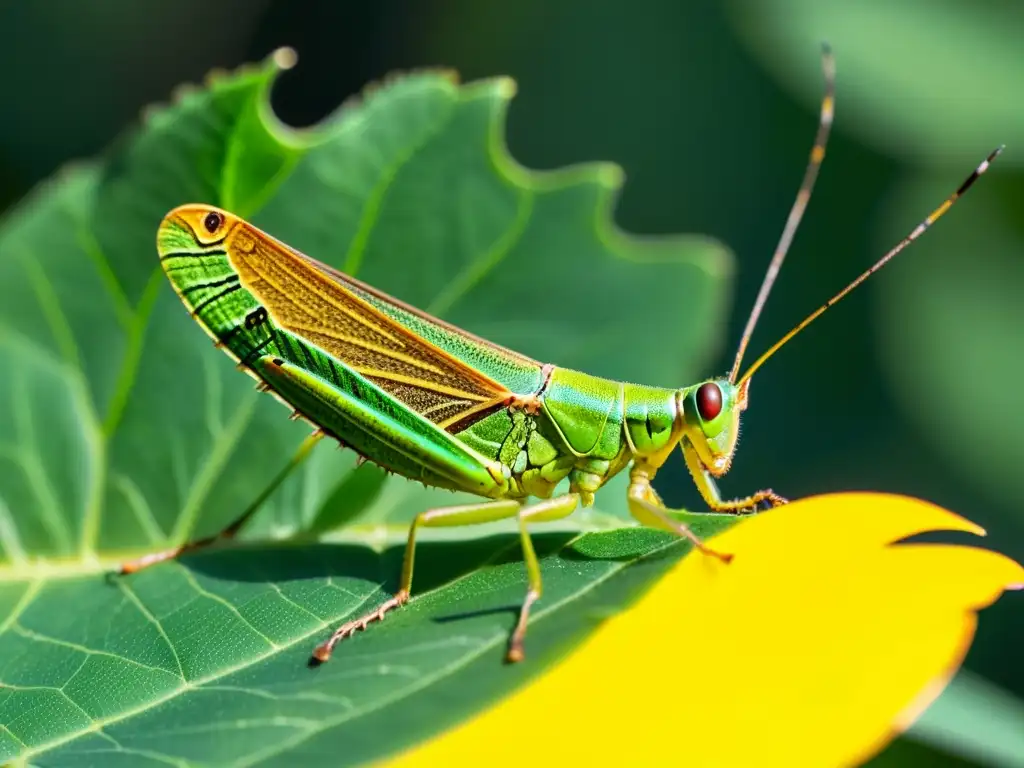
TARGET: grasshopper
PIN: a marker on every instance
(434, 403)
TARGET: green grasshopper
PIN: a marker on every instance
(434, 403)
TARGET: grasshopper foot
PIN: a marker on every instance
(146, 561)
(322, 653)
(154, 558)
(750, 505)
(515, 652)
(769, 500)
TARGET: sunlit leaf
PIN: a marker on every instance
(816, 645)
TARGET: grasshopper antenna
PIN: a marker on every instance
(915, 233)
(796, 213)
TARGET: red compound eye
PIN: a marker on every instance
(709, 401)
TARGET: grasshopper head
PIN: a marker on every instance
(190, 226)
(711, 414)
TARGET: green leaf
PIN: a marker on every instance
(123, 431)
(923, 79)
(977, 720)
(205, 661)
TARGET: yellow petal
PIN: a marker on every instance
(815, 646)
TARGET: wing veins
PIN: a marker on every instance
(367, 345)
(383, 326)
(441, 389)
(302, 297)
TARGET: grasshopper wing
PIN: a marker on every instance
(361, 328)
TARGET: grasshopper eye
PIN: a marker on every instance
(213, 221)
(709, 401)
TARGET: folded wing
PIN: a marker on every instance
(309, 300)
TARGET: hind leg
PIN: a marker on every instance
(468, 514)
(134, 566)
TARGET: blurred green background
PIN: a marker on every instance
(911, 386)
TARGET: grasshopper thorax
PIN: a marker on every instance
(710, 414)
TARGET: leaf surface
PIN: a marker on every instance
(123, 431)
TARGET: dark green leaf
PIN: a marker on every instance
(122, 431)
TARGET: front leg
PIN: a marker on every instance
(646, 506)
(709, 490)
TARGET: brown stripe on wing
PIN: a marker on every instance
(309, 303)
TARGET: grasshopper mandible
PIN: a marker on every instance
(434, 403)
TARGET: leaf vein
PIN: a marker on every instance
(223, 447)
(134, 599)
(33, 589)
(139, 506)
(10, 733)
(316, 696)
(375, 200)
(302, 637)
(461, 662)
(288, 600)
(119, 748)
(10, 540)
(49, 689)
(191, 579)
(477, 269)
(134, 346)
(29, 634)
(88, 243)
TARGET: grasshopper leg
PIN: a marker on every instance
(747, 504)
(546, 511)
(647, 507)
(709, 491)
(468, 514)
(134, 566)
